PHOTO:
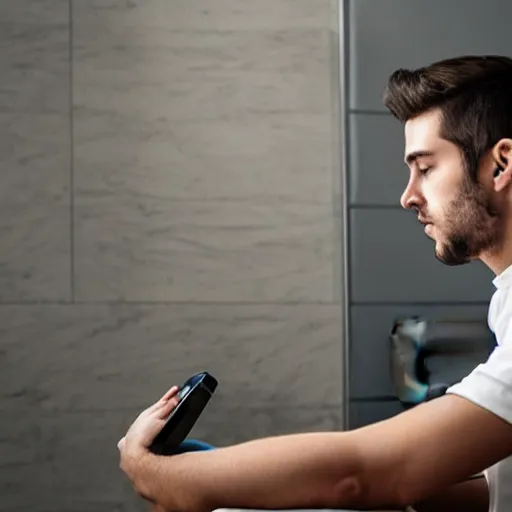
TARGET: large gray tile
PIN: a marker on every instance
(239, 211)
(377, 174)
(198, 15)
(370, 327)
(50, 12)
(34, 207)
(34, 59)
(62, 461)
(201, 156)
(157, 74)
(93, 357)
(281, 159)
(392, 260)
(389, 34)
(367, 413)
(70, 461)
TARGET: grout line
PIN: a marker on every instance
(353, 303)
(369, 112)
(360, 206)
(131, 409)
(437, 303)
(382, 398)
(344, 63)
(72, 159)
(160, 303)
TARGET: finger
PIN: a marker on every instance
(152, 408)
(170, 393)
(161, 408)
(166, 408)
(155, 407)
(164, 404)
(158, 405)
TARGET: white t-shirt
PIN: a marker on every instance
(490, 386)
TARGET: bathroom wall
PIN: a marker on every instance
(170, 198)
(392, 268)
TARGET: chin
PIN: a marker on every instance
(450, 259)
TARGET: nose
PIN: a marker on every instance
(411, 197)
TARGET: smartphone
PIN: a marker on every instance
(193, 396)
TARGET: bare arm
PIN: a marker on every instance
(470, 496)
(393, 463)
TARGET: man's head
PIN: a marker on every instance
(458, 131)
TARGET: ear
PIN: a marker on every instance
(502, 156)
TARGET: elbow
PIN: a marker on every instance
(348, 492)
(363, 492)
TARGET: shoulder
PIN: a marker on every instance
(489, 385)
(499, 316)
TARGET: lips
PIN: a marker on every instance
(428, 228)
(427, 225)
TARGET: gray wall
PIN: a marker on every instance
(392, 268)
(169, 196)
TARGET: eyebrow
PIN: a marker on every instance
(411, 157)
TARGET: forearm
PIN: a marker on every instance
(319, 470)
(470, 496)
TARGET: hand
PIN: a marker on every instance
(133, 447)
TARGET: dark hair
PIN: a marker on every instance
(473, 93)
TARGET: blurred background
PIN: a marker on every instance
(191, 185)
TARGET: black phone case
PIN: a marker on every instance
(184, 416)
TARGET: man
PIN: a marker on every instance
(458, 136)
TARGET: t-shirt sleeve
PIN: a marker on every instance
(490, 384)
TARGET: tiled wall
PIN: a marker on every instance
(169, 202)
(393, 271)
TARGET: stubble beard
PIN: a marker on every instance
(471, 226)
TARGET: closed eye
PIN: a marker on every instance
(424, 170)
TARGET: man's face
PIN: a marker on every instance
(457, 213)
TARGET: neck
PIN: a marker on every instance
(496, 263)
(500, 258)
